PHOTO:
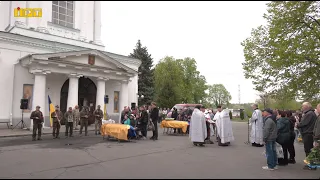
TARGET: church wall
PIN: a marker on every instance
(9, 55)
(83, 11)
(112, 86)
(4, 20)
(21, 77)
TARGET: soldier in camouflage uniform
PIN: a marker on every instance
(84, 121)
(56, 118)
(76, 117)
(37, 118)
(68, 116)
(98, 114)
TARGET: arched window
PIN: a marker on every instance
(63, 13)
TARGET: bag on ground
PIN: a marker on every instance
(279, 151)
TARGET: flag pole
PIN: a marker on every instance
(248, 142)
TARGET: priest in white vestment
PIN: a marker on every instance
(198, 129)
(256, 121)
(224, 127)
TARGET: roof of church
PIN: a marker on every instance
(89, 51)
(117, 57)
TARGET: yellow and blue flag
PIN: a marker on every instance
(51, 109)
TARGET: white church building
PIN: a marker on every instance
(60, 55)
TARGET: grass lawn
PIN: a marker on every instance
(236, 119)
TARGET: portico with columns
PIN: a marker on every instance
(107, 74)
(48, 56)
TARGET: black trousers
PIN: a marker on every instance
(307, 142)
(143, 129)
(292, 151)
(284, 160)
(155, 132)
(208, 130)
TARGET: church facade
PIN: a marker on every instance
(60, 55)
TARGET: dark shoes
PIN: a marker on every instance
(291, 161)
(200, 144)
(34, 139)
(153, 138)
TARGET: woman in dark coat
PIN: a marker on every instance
(291, 149)
(284, 136)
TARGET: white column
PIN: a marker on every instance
(73, 90)
(97, 22)
(101, 91)
(83, 33)
(123, 96)
(39, 93)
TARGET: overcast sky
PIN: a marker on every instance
(210, 32)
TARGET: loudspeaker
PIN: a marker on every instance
(106, 99)
(133, 105)
(24, 103)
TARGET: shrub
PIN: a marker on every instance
(241, 115)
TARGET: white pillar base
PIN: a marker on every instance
(101, 90)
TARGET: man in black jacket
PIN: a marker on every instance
(154, 117)
(306, 126)
(143, 121)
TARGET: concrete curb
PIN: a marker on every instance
(21, 135)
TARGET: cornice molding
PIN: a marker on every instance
(34, 44)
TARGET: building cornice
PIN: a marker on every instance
(36, 43)
(19, 39)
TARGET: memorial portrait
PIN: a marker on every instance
(28, 94)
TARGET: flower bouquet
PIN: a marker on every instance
(313, 159)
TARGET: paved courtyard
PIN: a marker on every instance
(169, 157)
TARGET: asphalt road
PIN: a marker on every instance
(169, 157)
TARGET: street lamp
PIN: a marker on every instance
(139, 97)
(200, 101)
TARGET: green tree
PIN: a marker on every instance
(194, 83)
(241, 114)
(168, 77)
(200, 89)
(145, 81)
(230, 114)
(219, 95)
(284, 54)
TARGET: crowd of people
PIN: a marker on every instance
(141, 118)
(269, 127)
